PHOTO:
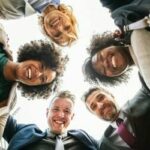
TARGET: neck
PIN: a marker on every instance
(10, 71)
(115, 117)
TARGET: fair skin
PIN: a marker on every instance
(57, 25)
(102, 105)
(29, 72)
(60, 115)
(111, 61)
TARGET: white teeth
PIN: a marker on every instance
(114, 62)
(29, 73)
(94, 59)
(59, 122)
(54, 22)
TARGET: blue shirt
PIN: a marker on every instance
(40, 5)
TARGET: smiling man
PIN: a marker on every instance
(102, 104)
(129, 128)
(59, 114)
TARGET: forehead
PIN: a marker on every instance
(93, 96)
(62, 102)
(108, 49)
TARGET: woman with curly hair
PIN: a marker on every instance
(56, 20)
(38, 68)
(110, 60)
(38, 71)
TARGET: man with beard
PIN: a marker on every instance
(133, 117)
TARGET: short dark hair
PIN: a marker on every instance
(51, 57)
(91, 90)
(64, 94)
(98, 43)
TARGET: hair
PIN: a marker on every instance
(51, 57)
(67, 10)
(64, 94)
(98, 43)
(91, 90)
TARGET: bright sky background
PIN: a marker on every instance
(92, 18)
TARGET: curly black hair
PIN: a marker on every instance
(98, 43)
(51, 57)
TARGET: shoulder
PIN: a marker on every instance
(84, 137)
(139, 105)
(113, 5)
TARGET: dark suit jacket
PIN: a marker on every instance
(137, 111)
(19, 135)
(125, 12)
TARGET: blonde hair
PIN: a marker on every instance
(67, 10)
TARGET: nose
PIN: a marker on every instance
(61, 114)
(59, 27)
(100, 105)
(39, 74)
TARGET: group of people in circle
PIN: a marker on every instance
(40, 66)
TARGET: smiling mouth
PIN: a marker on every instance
(54, 22)
(59, 123)
(113, 62)
(28, 73)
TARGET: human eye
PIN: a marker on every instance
(100, 97)
(93, 106)
(57, 34)
(67, 111)
(67, 28)
(55, 109)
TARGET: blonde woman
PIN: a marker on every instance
(56, 20)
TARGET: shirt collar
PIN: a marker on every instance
(53, 135)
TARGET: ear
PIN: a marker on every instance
(72, 116)
(47, 111)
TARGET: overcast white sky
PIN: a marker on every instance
(92, 18)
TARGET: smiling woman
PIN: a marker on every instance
(110, 60)
(33, 72)
(39, 69)
(49, 11)
(59, 24)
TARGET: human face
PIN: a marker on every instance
(32, 73)
(58, 26)
(102, 105)
(111, 61)
(60, 114)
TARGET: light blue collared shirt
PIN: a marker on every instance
(40, 5)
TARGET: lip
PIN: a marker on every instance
(54, 21)
(30, 72)
(59, 122)
(111, 62)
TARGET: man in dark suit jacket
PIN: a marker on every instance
(59, 115)
(135, 113)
